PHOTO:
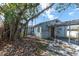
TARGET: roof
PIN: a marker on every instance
(66, 23)
(59, 23)
(55, 20)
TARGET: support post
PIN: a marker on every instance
(64, 31)
(78, 37)
(55, 34)
(69, 34)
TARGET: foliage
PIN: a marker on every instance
(14, 13)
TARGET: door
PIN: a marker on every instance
(52, 32)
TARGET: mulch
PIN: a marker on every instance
(25, 47)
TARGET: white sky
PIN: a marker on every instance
(2, 18)
(48, 12)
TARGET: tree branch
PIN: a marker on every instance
(40, 12)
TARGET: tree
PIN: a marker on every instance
(15, 14)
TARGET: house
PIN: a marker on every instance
(30, 30)
(56, 28)
(44, 30)
(1, 28)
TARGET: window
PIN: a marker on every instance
(45, 28)
(38, 29)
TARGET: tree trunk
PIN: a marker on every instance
(25, 30)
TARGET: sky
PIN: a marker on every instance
(71, 13)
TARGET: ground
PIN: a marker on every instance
(25, 47)
(32, 46)
(63, 48)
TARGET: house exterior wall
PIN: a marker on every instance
(41, 31)
(75, 33)
(64, 32)
(37, 32)
(45, 31)
(61, 31)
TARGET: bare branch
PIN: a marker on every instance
(40, 12)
